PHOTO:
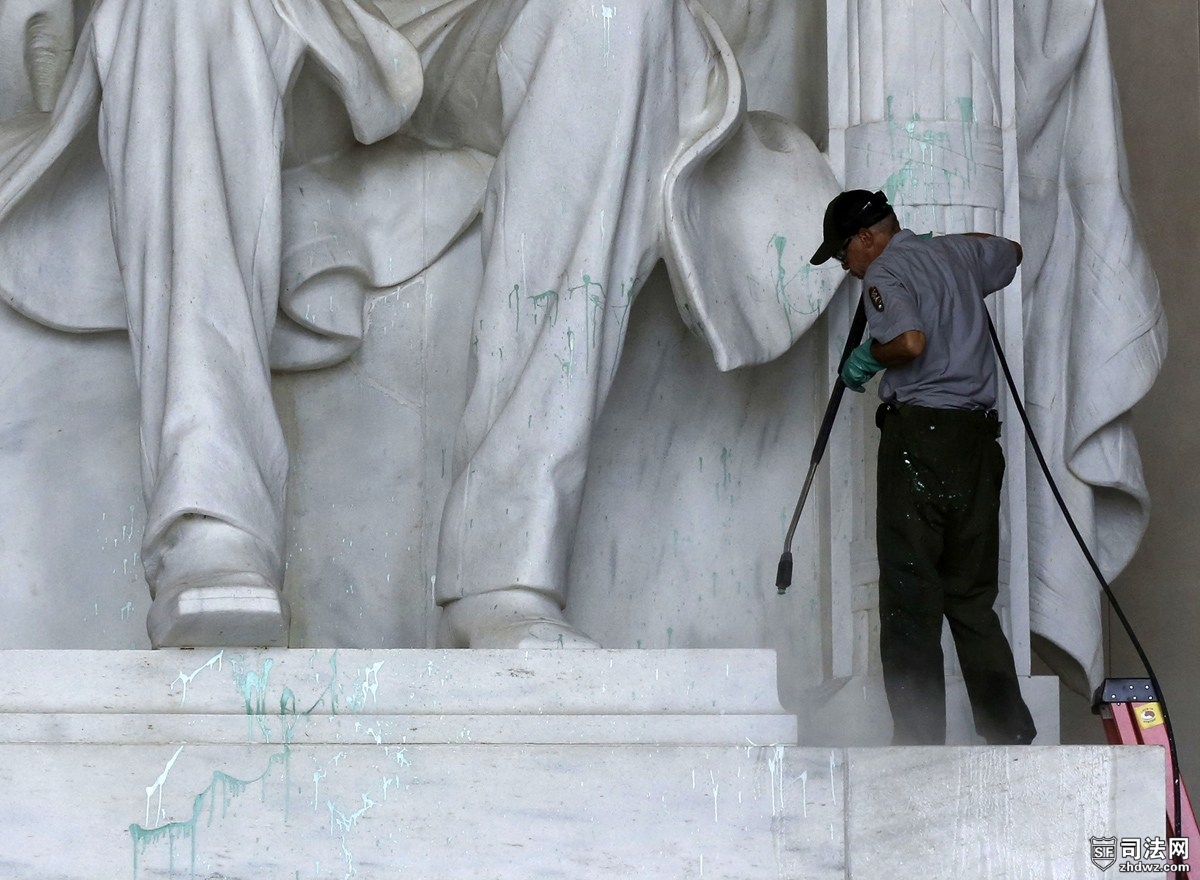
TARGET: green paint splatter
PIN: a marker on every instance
(966, 113)
(224, 788)
(593, 304)
(898, 181)
(781, 281)
(547, 300)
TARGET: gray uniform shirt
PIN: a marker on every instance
(937, 285)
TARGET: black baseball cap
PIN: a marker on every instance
(847, 213)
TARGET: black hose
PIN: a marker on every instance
(1116, 606)
(783, 575)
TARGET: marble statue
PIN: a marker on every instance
(582, 132)
(1096, 332)
(348, 147)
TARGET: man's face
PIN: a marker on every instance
(856, 256)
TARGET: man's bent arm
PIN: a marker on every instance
(1016, 245)
(908, 346)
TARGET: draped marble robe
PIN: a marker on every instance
(343, 228)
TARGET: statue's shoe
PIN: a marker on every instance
(228, 610)
(512, 618)
(215, 585)
(533, 633)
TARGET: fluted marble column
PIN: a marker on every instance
(921, 106)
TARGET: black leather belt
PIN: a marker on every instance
(987, 419)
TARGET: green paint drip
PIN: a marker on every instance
(780, 243)
(922, 149)
(253, 686)
(546, 300)
(899, 180)
(224, 787)
(622, 308)
(330, 691)
(966, 113)
(593, 304)
(568, 363)
(368, 688)
(782, 281)
(514, 303)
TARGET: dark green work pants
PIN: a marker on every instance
(938, 537)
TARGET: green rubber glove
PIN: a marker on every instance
(860, 367)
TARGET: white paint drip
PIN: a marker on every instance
(317, 776)
(775, 764)
(370, 685)
(389, 782)
(341, 820)
(607, 14)
(158, 786)
(187, 679)
(524, 275)
(376, 735)
(715, 791)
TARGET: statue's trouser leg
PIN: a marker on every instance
(191, 128)
(591, 105)
(938, 529)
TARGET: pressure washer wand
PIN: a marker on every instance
(783, 577)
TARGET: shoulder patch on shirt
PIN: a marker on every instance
(876, 297)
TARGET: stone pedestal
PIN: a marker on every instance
(306, 764)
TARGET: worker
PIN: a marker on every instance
(940, 464)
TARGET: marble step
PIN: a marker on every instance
(462, 728)
(279, 811)
(664, 696)
(312, 765)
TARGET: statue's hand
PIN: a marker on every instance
(48, 43)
